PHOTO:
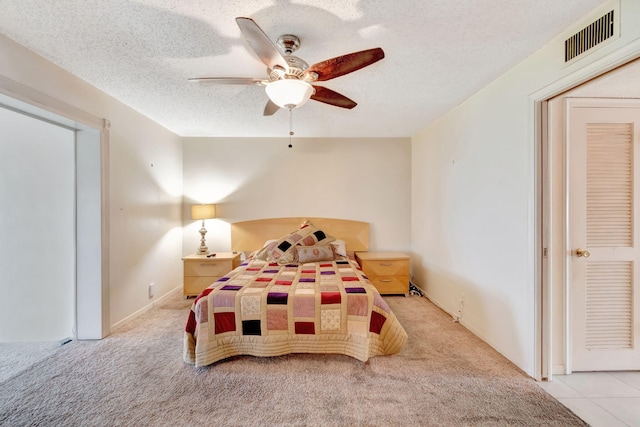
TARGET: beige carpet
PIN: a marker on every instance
(444, 377)
(18, 356)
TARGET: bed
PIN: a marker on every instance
(299, 291)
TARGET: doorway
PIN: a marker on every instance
(37, 249)
(568, 348)
(91, 308)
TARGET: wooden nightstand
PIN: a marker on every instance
(388, 271)
(200, 271)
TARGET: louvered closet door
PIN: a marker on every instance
(603, 153)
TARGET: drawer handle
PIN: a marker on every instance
(208, 264)
(385, 280)
(386, 264)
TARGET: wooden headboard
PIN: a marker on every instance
(250, 235)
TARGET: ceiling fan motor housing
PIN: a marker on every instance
(289, 43)
(296, 69)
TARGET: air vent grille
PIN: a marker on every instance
(589, 37)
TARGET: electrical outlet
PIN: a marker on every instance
(152, 290)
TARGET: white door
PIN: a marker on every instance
(603, 186)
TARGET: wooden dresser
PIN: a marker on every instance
(388, 271)
(200, 271)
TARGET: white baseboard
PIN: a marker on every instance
(436, 303)
(558, 370)
(146, 308)
(469, 327)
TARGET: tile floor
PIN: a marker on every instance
(602, 399)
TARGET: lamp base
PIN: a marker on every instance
(203, 249)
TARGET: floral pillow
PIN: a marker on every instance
(315, 253)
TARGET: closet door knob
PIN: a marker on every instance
(582, 253)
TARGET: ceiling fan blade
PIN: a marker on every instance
(331, 97)
(229, 81)
(270, 109)
(261, 44)
(345, 64)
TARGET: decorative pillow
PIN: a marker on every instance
(276, 249)
(340, 247)
(315, 253)
(282, 250)
(314, 236)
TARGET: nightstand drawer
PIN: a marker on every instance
(391, 284)
(207, 267)
(387, 271)
(398, 267)
(201, 271)
(193, 285)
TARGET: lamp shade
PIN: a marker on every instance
(203, 211)
(289, 93)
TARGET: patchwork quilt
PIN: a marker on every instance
(269, 309)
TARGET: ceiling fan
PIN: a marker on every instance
(290, 79)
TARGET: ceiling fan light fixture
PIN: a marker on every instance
(289, 93)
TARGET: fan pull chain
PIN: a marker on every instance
(290, 126)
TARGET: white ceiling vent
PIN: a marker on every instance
(602, 29)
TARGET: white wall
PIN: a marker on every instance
(473, 199)
(145, 185)
(250, 178)
(37, 243)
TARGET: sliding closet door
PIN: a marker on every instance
(37, 229)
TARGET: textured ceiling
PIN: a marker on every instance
(438, 53)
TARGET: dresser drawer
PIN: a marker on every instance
(207, 267)
(391, 284)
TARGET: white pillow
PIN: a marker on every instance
(340, 246)
(260, 253)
